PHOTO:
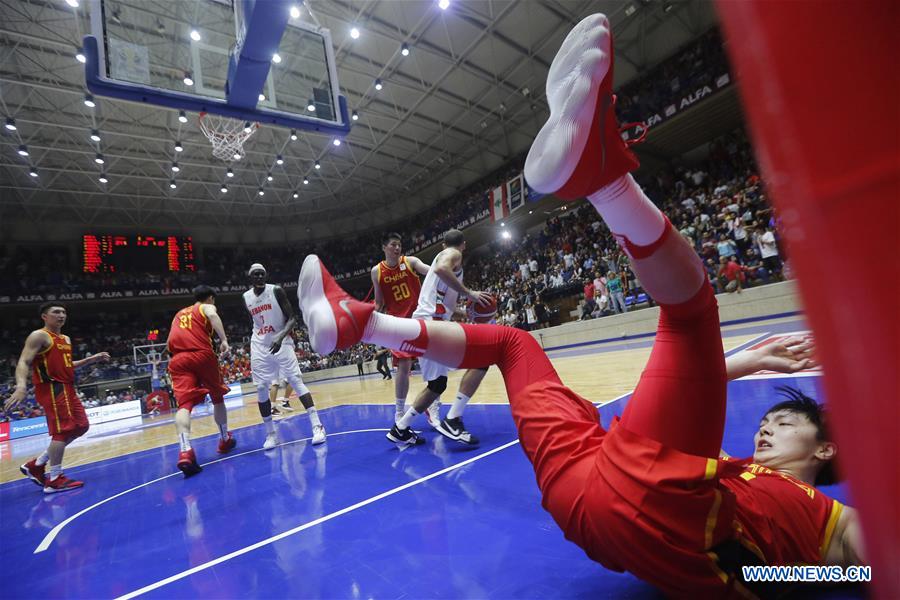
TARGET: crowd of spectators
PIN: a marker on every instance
(719, 206)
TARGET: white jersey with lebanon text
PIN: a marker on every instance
(437, 300)
(268, 318)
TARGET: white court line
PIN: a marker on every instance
(328, 517)
(48, 539)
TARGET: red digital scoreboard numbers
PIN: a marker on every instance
(137, 253)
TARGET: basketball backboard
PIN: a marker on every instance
(252, 61)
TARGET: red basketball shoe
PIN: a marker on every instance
(226, 445)
(61, 484)
(335, 319)
(579, 149)
(34, 472)
(187, 462)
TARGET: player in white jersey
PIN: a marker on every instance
(438, 298)
(272, 351)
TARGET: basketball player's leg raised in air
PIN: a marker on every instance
(650, 495)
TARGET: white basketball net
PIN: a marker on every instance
(226, 135)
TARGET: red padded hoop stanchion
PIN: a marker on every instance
(810, 73)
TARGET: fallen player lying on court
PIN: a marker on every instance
(651, 495)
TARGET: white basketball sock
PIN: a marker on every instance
(458, 406)
(389, 331)
(313, 416)
(42, 459)
(184, 441)
(400, 405)
(406, 420)
(628, 211)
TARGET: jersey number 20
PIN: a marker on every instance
(401, 292)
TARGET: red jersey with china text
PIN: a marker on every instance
(55, 362)
(191, 331)
(782, 519)
(400, 287)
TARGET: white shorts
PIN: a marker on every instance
(271, 368)
(431, 370)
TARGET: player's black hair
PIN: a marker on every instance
(799, 403)
(390, 235)
(454, 238)
(43, 308)
(203, 292)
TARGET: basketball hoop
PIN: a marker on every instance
(226, 135)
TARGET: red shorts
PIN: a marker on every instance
(194, 375)
(627, 501)
(398, 356)
(66, 418)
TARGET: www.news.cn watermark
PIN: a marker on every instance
(808, 574)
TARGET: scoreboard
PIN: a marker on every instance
(137, 253)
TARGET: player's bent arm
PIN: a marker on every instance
(287, 309)
(210, 312)
(379, 297)
(444, 266)
(36, 342)
(847, 547)
(418, 266)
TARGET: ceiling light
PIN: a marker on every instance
(506, 235)
(279, 160)
(10, 123)
(89, 101)
(224, 189)
(378, 85)
(443, 4)
(182, 117)
(237, 156)
(179, 147)
(355, 116)
(630, 10)
(79, 56)
(195, 35)
(102, 178)
(247, 127)
(262, 97)
(172, 184)
(188, 80)
(295, 12)
(336, 142)
(293, 135)
(296, 195)
(269, 177)
(175, 167)
(72, 3)
(318, 166)
(261, 192)
(276, 58)
(23, 150)
(354, 33)
(305, 181)
(99, 159)
(502, 224)
(95, 135)
(33, 172)
(311, 106)
(229, 173)
(404, 49)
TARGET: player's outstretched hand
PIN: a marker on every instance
(17, 396)
(224, 348)
(101, 357)
(789, 355)
(479, 298)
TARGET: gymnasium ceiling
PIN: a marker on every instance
(467, 100)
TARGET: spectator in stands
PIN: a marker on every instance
(616, 292)
(731, 274)
(768, 250)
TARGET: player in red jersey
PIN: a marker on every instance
(651, 495)
(48, 356)
(195, 372)
(397, 290)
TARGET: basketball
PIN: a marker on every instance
(483, 313)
